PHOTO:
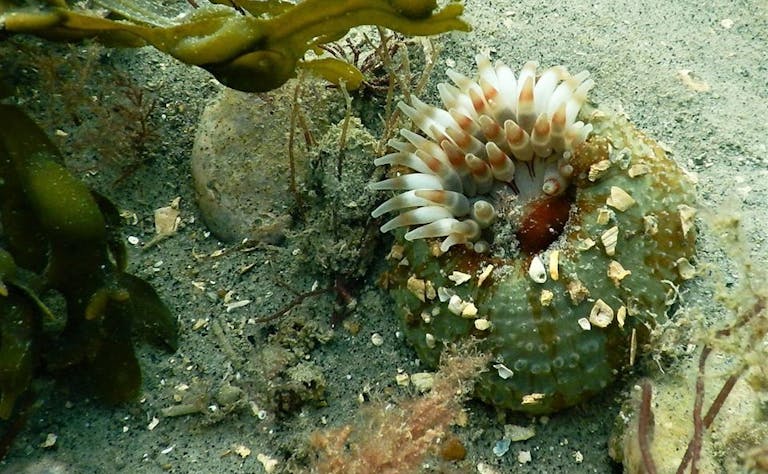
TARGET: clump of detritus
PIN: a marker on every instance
(281, 379)
(339, 238)
(401, 438)
(274, 381)
(721, 371)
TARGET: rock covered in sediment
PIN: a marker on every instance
(240, 162)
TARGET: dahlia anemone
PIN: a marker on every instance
(553, 233)
(496, 135)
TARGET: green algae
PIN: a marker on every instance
(59, 242)
(252, 46)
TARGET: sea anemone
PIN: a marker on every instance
(554, 233)
(497, 136)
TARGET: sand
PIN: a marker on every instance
(690, 75)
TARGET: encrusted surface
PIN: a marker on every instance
(536, 329)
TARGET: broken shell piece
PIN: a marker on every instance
(577, 291)
(687, 213)
(417, 287)
(546, 297)
(601, 314)
(620, 199)
(554, 261)
(604, 216)
(167, 219)
(651, 224)
(242, 451)
(503, 371)
(685, 269)
(229, 307)
(610, 238)
(430, 340)
(484, 275)
(532, 398)
(585, 244)
(584, 324)
(616, 272)
(536, 270)
(429, 290)
(638, 170)
(459, 277)
(482, 324)
(458, 306)
(423, 381)
(469, 310)
(621, 316)
(444, 294)
(396, 252)
(598, 169)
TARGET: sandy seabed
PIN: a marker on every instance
(690, 75)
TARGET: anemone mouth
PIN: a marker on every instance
(500, 139)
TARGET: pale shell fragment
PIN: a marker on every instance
(430, 340)
(270, 464)
(601, 314)
(651, 224)
(617, 272)
(532, 398)
(584, 324)
(503, 371)
(685, 268)
(396, 252)
(459, 277)
(517, 433)
(598, 169)
(546, 297)
(167, 218)
(610, 238)
(554, 263)
(469, 310)
(456, 305)
(577, 291)
(604, 216)
(444, 294)
(229, 307)
(242, 451)
(484, 275)
(482, 324)
(687, 213)
(620, 199)
(429, 290)
(585, 244)
(638, 170)
(423, 381)
(536, 270)
(418, 287)
(621, 316)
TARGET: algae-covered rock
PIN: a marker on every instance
(240, 161)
